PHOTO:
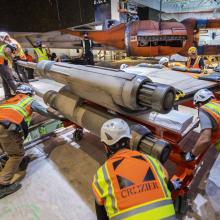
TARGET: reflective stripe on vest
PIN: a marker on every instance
(146, 208)
(110, 191)
(2, 54)
(41, 54)
(213, 109)
(20, 108)
(159, 177)
(196, 63)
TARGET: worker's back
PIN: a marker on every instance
(17, 110)
(132, 186)
(212, 109)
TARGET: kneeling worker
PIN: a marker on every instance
(15, 116)
(130, 185)
(209, 115)
(194, 61)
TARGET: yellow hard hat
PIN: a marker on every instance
(192, 50)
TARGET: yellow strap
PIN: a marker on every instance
(179, 94)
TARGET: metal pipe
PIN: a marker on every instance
(30, 65)
(114, 89)
(92, 118)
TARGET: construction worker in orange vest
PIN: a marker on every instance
(194, 61)
(130, 185)
(209, 115)
(15, 117)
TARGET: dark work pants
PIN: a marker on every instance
(101, 212)
(22, 74)
(7, 80)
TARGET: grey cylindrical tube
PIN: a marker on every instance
(92, 119)
(114, 89)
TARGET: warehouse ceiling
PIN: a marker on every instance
(44, 15)
(178, 6)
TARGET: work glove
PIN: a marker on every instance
(174, 184)
(188, 156)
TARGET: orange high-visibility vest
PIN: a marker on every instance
(17, 110)
(195, 65)
(213, 110)
(132, 186)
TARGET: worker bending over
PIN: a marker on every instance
(194, 61)
(130, 185)
(15, 117)
(6, 56)
(164, 61)
(6, 39)
(209, 115)
(40, 52)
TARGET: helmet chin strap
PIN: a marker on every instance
(110, 152)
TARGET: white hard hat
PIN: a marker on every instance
(12, 46)
(25, 89)
(38, 42)
(202, 96)
(163, 60)
(114, 130)
(3, 35)
(123, 66)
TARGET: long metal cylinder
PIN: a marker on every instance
(92, 118)
(114, 89)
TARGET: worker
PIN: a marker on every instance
(194, 61)
(6, 56)
(40, 52)
(15, 117)
(164, 61)
(209, 115)
(6, 39)
(18, 54)
(123, 193)
(87, 50)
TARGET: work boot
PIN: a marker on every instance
(188, 156)
(8, 189)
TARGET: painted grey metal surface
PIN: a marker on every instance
(177, 79)
(92, 118)
(113, 89)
